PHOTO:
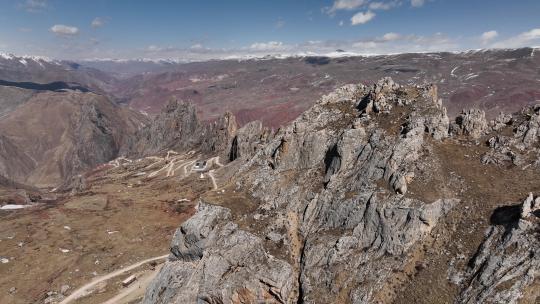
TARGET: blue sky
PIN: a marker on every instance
(193, 30)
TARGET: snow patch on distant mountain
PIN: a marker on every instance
(25, 59)
(140, 60)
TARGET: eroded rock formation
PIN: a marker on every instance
(176, 127)
(507, 264)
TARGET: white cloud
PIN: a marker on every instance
(362, 18)
(417, 3)
(344, 5)
(529, 38)
(393, 43)
(33, 6)
(64, 30)
(384, 5)
(391, 37)
(97, 22)
(279, 24)
(531, 35)
(267, 46)
(365, 45)
(488, 36)
(341, 23)
(154, 48)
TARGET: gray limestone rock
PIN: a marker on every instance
(216, 262)
(217, 137)
(507, 263)
(471, 123)
(176, 127)
(521, 147)
(248, 140)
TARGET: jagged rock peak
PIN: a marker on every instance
(471, 122)
(176, 127)
(217, 136)
(175, 105)
(248, 140)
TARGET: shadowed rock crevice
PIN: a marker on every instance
(233, 153)
(332, 162)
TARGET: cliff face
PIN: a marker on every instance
(178, 128)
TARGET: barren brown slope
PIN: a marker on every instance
(67, 132)
(14, 162)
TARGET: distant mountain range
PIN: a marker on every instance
(276, 90)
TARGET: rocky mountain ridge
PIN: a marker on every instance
(350, 204)
(179, 128)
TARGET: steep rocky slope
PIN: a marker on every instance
(371, 196)
(56, 135)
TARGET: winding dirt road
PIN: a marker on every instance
(85, 289)
(211, 174)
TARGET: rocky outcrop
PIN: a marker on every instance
(176, 127)
(217, 137)
(248, 140)
(208, 248)
(330, 202)
(506, 263)
(500, 121)
(519, 144)
(471, 122)
(530, 206)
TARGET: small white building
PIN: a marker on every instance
(129, 280)
(199, 165)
